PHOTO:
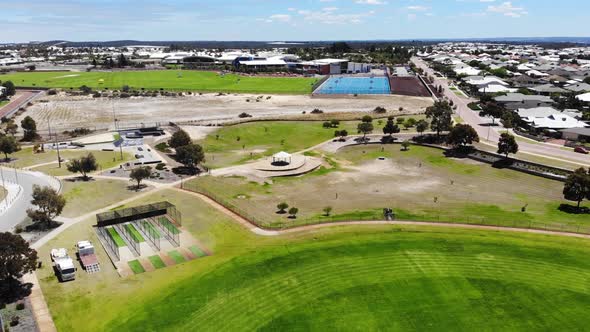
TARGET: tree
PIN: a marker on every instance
(406, 145)
(493, 110)
(327, 124)
(190, 155)
(380, 110)
(16, 260)
(327, 210)
(49, 205)
(139, 174)
(366, 125)
(179, 138)
(10, 88)
(293, 212)
(411, 122)
(577, 186)
(341, 133)
(83, 165)
(122, 61)
(30, 128)
(8, 145)
(421, 126)
(507, 144)
(390, 127)
(510, 119)
(8, 126)
(335, 123)
(282, 207)
(462, 135)
(441, 115)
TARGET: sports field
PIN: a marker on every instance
(355, 85)
(397, 278)
(164, 79)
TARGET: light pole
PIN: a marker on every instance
(55, 142)
(117, 129)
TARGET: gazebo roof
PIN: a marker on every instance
(282, 154)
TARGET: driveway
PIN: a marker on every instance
(491, 135)
(17, 212)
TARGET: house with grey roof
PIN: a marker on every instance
(576, 134)
(547, 89)
(549, 118)
(579, 87)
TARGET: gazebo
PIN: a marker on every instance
(281, 158)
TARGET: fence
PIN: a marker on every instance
(378, 216)
(171, 233)
(108, 243)
(13, 192)
(132, 240)
(319, 83)
(149, 232)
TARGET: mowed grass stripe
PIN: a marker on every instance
(165, 79)
(116, 237)
(268, 288)
(157, 261)
(136, 266)
(176, 256)
(134, 233)
(380, 269)
(197, 251)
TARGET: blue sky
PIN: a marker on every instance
(83, 20)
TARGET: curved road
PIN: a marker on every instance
(17, 212)
(490, 134)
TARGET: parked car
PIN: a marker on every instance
(581, 149)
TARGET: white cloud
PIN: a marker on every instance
(418, 8)
(330, 16)
(279, 18)
(507, 9)
(371, 2)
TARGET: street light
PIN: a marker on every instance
(117, 129)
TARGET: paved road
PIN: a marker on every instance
(17, 212)
(22, 98)
(491, 134)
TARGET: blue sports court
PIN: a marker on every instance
(355, 85)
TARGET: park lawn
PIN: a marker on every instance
(240, 143)
(157, 261)
(342, 278)
(4, 102)
(347, 278)
(134, 233)
(26, 158)
(419, 184)
(237, 144)
(165, 79)
(87, 196)
(116, 237)
(136, 266)
(176, 256)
